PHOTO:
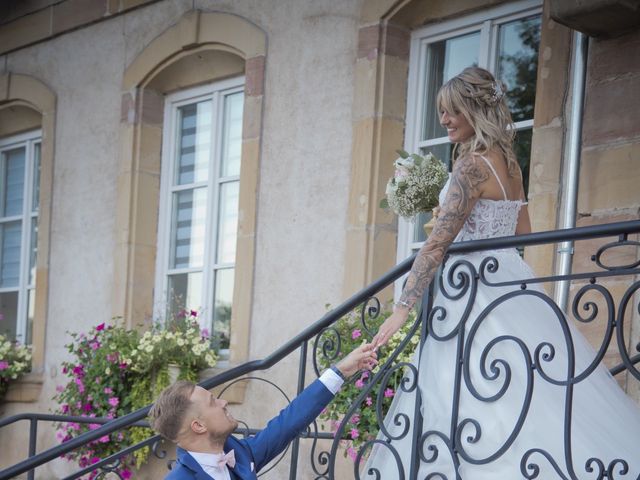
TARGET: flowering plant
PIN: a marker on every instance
(115, 371)
(363, 425)
(416, 184)
(99, 384)
(15, 359)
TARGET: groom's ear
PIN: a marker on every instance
(197, 427)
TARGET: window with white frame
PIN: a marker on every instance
(504, 40)
(198, 221)
(19, 199)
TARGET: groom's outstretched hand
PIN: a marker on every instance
(363, 357)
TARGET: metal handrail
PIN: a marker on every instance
(580, 233)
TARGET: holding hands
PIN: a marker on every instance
(390, 326)
(363, 357)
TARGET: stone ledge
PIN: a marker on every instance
(597, 18)
(234, 393)
(26, 389)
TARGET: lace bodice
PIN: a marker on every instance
(489, 218)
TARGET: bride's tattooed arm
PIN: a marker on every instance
(467, 181)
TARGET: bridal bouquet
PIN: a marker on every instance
(415, 186)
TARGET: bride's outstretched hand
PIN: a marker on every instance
(389, 327)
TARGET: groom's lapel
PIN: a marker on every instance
(190, 463)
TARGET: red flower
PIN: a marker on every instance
(100, 327)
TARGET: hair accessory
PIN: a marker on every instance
(497, 92)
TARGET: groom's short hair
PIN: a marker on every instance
(168, 412)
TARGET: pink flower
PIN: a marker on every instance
(94, 346)
(354, 433)
(359, 383)
(355, 418)
(108, 390)
(194, 313)
(368, 401)
(60, 388)
(80, 385)
(4, 365)
(205, 333)
(65, 408)
(104, 439)
(356, 334)
(95, 460)
(114, 401)
(112, 357)
(87, 407)
(126, 474)
(389, 393)
(78, 371)
(94, 426)
(122, 366)
(100, 327)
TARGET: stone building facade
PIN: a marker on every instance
(327, 99)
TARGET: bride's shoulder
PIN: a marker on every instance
(472, 168)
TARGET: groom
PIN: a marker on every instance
(201, 425)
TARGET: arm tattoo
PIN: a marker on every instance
(464, 190)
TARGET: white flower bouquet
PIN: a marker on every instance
(416, 184)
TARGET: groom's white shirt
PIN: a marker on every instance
(209, 461)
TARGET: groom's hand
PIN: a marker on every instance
(363, 357)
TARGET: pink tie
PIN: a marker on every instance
(228, 458)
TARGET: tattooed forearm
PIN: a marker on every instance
(464, 190)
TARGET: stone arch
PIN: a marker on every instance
(238, 47)
(29, 104)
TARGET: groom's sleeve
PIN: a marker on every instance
(293, 419)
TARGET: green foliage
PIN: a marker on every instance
(115, 371)
(15, 359)
(363, 425)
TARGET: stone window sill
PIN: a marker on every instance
(25, 389)
(233, 394)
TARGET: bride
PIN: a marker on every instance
(507, 388)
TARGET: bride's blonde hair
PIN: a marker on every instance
(481, 99)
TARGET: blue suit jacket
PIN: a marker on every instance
(259, 450)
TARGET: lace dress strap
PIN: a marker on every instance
(504, 192)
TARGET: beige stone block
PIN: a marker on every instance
(415, 14)
(242, 299)
(543, 211)
(546, 161)
(615, 57)
(196, 66)
(119, 289)
(394, 88)
(75, 13)
(147, 195)
(396, 41)
(541, 260)
(362, 171)
(254, 76)
(373, 10)
(234, 31)
(609, 178)
(140, 297)
(26, 389)
(252, 118)
(16, 118)
(369, 41)
(248, 187)
(124, 205)
(365, 84)
(25, 30)
(40, 317)
(553, 60)
(33, 91)
(150, 149)
(355, 272)
(390, 133)
(128, 4)
(188, 28)
(113, 7)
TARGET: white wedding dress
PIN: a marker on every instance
(507, 324)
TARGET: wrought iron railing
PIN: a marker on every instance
(459, 281)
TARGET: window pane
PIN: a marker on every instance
(228, 222)
(223, 299)
(188, 228)
(193, 143)
(232, 134)
(518, 64)
(184, 292)
(522, 148)
(33, 251)
(35, 197)
(445, 60)
(9, 314)
(13, 185)
(10, 263)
